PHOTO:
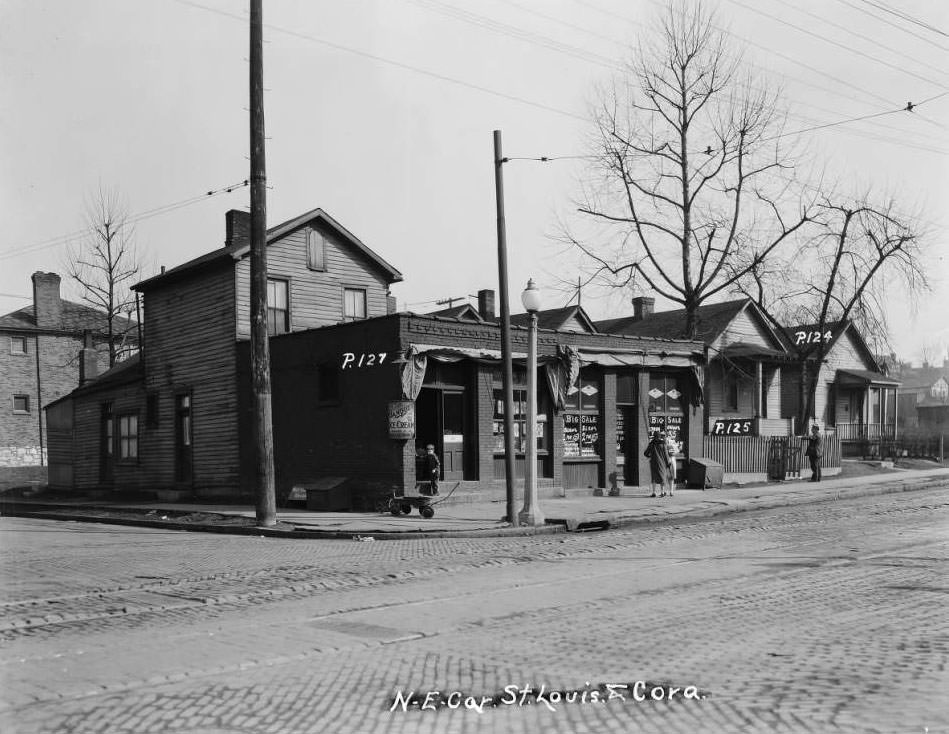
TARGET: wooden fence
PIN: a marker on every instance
(776, 456)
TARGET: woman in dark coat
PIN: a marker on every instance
(659, 463)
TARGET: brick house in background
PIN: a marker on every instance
(40, 362)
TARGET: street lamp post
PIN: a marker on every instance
(531, 513)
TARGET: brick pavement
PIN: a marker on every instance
(765, 641)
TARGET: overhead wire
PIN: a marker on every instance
(894, 25)
(851, 31)
(906, 16)
(390, 62)
(133, 219)
(831, 41)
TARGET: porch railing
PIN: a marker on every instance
(865, 431)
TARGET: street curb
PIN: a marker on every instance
(553, 526)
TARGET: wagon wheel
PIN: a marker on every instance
(406, 508)
(426, 511)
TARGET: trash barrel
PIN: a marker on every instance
(705, 473)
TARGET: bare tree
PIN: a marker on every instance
(106, 263)
(859, 254)
(687, 196)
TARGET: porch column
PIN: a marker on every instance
(759, 386)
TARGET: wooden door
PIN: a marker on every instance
(453, 434)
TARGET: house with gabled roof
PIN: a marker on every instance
(746, 356)
(853, 399)
(172, 422)
(42, 347)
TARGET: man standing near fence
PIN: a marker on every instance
(814, 452)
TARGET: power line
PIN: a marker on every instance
(140, 216)
(894, 25)
(390, 62)
(907, 17)
(852, 32)
(835, 43)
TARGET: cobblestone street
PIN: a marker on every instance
(828, 617)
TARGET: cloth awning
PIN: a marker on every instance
(863, 378)
(453, 354)
(631, 358)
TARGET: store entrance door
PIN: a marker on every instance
(440, 417)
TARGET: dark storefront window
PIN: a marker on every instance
(625, 410)
(542, 432)
(667, 407)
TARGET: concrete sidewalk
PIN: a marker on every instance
(575, 513)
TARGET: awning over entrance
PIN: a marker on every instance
(863, 378)
(631, 358)
(453, 354)
(743, 350)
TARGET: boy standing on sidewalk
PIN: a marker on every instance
(432, 468)
(814, 452)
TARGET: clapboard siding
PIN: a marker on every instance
(746, 329)
(316, 297)
(844, 354)
(190, 347)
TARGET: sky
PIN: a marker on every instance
(382, 112)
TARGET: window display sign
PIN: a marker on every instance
(670, 424)
(581, 434)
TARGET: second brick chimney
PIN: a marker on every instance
(643, 307)
(88, 359)
(237, 230)
(47, 305)
(486, 304)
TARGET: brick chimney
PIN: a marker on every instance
(237, 228)
(486, 304)
(47, 305)
(88, 359)
(643, 307)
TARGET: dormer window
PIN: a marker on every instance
(315, 250)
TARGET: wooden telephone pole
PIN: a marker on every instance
(259, 345)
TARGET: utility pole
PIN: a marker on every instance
(259, 345)
(508, 369)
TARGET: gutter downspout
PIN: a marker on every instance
(39, 399)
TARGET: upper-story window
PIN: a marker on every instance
(354, 304)
(18, 345)
(315, 250)
(21, 403)
(940, 389)
(278, 306)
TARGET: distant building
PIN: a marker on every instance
(924, 398)
(40, 361)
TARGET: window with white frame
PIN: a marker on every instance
(21, 403)
(18, 345)
(354, 304)
(278, 306)
(128, 437)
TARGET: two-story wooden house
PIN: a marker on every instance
(170, 419)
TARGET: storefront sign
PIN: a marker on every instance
(671, 425)
(734, 427)
(401, 419)
(581, 434)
